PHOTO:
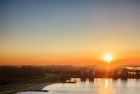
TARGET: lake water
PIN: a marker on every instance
(94, 86)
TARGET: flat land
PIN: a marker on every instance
(35, 84)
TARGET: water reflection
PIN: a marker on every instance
(98, 86)
(131, 82)
(106, 83)
(106, 87)
(94, 86)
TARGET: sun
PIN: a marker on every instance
(108, 57)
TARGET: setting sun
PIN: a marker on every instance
(108, 57)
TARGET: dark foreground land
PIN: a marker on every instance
(23, 78)
(30, 85)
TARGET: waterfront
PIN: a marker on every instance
(93, 86)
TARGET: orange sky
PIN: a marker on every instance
(69, 31)
(74, 59)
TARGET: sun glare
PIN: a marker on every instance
(108, 57)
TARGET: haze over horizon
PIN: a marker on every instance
(73, 32)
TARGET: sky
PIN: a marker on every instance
(69, 31)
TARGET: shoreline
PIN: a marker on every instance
(35, 87)
(38, 87)
(34, 84)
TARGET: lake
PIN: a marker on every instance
(93, 86)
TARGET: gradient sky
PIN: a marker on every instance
(69, 31)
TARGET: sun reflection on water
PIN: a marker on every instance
(106, 83)
(96, 86)
(106, 87)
